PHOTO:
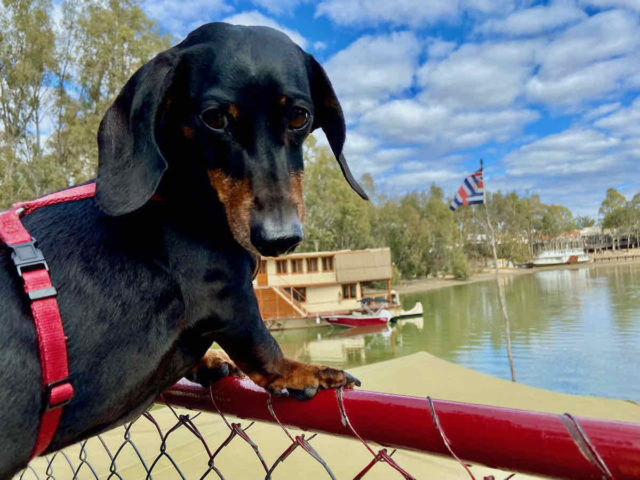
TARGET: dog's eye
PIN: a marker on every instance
(215, 119)
(299, 119)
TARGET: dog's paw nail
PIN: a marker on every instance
(278, 392)
(351, 380)
(305, 394)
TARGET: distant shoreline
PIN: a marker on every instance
(425, 284)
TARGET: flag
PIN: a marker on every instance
(470, 192)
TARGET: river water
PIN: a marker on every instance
(573, 331)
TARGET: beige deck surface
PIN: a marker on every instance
(419, 374)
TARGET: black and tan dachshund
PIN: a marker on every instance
(200, 170)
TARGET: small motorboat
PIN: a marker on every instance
(358, 319)
(416, 311)
(357, 331)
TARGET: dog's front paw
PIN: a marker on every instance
(303, 380)
(215, 365)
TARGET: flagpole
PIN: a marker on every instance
(501, 296)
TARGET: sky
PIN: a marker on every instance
(547, 93)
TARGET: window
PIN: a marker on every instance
(327, 264)
(312, 265)
(263, 266)
(296, 265)
(349, 290)
(281, 266)
(299, 294)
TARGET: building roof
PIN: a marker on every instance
(326, 253)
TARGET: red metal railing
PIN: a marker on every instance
(522, 441)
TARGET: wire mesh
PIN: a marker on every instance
(169, 442)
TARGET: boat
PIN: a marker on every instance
(560, 257)
(360, 319)
(357, 331)
(395, 307)
(416, 311)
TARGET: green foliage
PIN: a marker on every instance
(621, 217)
(337, 218)
(557, 219)
(69, 75)
(460, 266)
(584, 222)
(612, 201)
(26, 61)
(419, 228)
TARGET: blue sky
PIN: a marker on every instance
(546, 92)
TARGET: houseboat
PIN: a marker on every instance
(317, 284)
(560, 257)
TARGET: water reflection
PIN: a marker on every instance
(574, 330)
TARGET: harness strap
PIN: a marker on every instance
(31, 266)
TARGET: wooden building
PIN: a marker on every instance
(310, 284)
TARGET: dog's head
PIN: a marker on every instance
(231, 105)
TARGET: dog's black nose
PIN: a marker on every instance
(272, 239)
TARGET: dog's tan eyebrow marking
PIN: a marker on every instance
(296, 179)
(187, 132)
(237, 198)
(283, 100)
(233, 111)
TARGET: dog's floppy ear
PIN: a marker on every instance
(328, 116)
(130, 162)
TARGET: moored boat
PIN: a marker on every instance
(560, 257)
(416, 311)
(357, 319)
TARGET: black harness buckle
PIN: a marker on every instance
(47, 394)
(26, 256)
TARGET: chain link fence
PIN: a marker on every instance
(173, 442)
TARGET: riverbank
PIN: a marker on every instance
(424, 284)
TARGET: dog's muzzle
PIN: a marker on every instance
(272, 238)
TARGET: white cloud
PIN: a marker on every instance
(624, 122)
(569, 153)
(254, 17)
(480, 75)
(319, 46)
(576, 166)
(372, 69)
(442, 129)
(179, 20)
(589, 83)
(399, 12)
(438, 49)
(381, 161)
(630, 4)
(359, 144)
(535, 20)
(500, 7)
(423, 179)
(600, 111)
(412, 13)
(278, 7)
(606, 35)
(594, 59)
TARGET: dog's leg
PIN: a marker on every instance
(255, 351)
(215, 365)
(302, 380)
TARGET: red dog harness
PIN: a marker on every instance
(32, 267)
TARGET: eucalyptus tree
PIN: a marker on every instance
(616, 216)
(100, 44)
(26, 63)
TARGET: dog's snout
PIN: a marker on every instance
(272, 239)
